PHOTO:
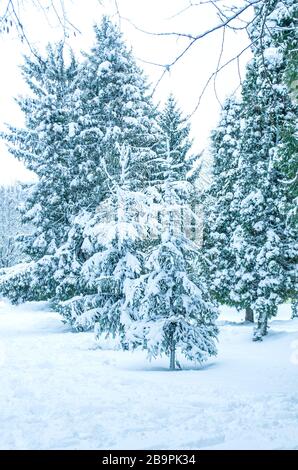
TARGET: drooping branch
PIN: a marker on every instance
(195, 38)
(232, 17)
(12, 17)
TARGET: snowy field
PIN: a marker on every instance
(58, 391)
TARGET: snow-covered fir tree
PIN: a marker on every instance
(284, 22)
(112, 238)
(74, 119)
(220, 211)
(45, 146)
(264, 92)
(114, 109)
(175, 134)
(113, 106)
(286, 13)
(265, 249)
(168, 308)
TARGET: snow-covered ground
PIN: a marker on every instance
(57, 391)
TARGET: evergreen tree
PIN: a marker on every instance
(265, 249)
(285, 35)
(220, 211)
(250, 231)
(113, 107)
(175, 134)
(168, 308)
(45, 147)
(112, 237)
(114, 110)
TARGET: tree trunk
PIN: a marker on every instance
(262, 327)
(295, 309)
(172, 356)
(249, 314)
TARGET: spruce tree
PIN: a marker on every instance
(168, 308)
(220, 210)
(175, 134)
(112, 237)
(265, 249)
(250, 229)
(285, 35)
(114, 108)
(45, 146)
(114, 111)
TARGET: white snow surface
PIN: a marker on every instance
(60, 391)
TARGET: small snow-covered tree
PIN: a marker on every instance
(174, 308)
(169, 305)
(111, 245)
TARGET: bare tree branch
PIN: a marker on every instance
(229, 18)
(218, 65)
(228, 62)
(12, 17)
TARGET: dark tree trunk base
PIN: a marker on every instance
(172, 358)
(295, 309)
(249, 315)
(262, 328)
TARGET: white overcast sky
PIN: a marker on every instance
(186, 79)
